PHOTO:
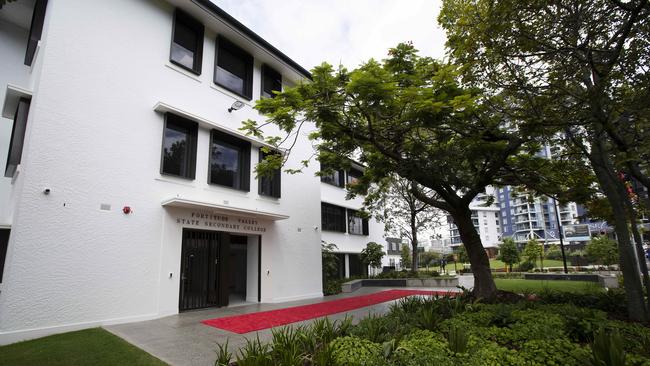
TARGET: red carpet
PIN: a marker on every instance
(267, 319)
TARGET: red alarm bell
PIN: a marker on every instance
(127, 210)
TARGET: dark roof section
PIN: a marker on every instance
(252, 35)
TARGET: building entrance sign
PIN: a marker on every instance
(217, 221)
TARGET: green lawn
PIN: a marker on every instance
(497, 264)
(86, 347)
(536, 286)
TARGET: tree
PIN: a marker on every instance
(405, 260)
(372, 254)
(408, 116)
(330, 261)
(402, 213)
(575, 73)
(429, 258)
(532, 251)
(461, 254)
(509, 253)
(602, 250)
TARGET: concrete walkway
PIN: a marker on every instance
(182, 339)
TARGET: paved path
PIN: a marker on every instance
(182, 340)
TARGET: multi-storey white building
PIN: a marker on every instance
(129, 193)
(343, 225)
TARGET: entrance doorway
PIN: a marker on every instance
(237, 269)
(214, 268)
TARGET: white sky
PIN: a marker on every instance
(341, 31)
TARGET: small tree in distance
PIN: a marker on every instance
(406, 257)
(509, 254)
(602, 250)
(532, 251)
(372, 254)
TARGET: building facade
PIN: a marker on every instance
(344, 225)
(129, 192)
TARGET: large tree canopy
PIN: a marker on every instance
(577, 73)
(406, 115)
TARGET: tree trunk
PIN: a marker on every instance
(414, 245)
(616, 196)
(484, 286)
(638, 241)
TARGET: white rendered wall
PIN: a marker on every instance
(347, 243)
(93, 139)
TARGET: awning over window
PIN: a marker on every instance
(12, 96)
(225, 209)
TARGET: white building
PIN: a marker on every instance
(342, 224)
(129, 192)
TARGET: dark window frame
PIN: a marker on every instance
(364, 222)
(4, 245)
(244, 158)
(270, 186)
(268, 89)
(330, 223)
(17, 139)
(341, 179)
(199, 29)
(35, 30)
(192, 133)
(245, 57)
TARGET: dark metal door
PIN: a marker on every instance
(201, 272)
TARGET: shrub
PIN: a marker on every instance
(422, 347)
(559, 352)
(355, 351)
(612, 301)
(526, 266)
(332, 287)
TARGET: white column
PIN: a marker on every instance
(347, 265)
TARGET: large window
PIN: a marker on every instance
(270, 185)
(357, 224)
(332, 217)
(230, 161)
(179, 147)
(271, 81)
(17, 137)
(4, 243)
(35, 30)
(233, 69)
(187, 43)
(334, 177)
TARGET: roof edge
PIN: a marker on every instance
(217, 11)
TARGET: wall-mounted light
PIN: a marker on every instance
(236, 105)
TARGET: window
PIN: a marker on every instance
(332, 217)
(229, 161)
(357, 225)
(179, 147)
(35, 30)
(233, 69)
(17, 137)
(333, 178)
(271, 81)
(187, 43)
(353, 175)
(4, 243)
(269, 186)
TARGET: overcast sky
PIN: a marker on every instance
(341, 31)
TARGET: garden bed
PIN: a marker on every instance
(461, 331)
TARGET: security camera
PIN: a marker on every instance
(46, 191)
